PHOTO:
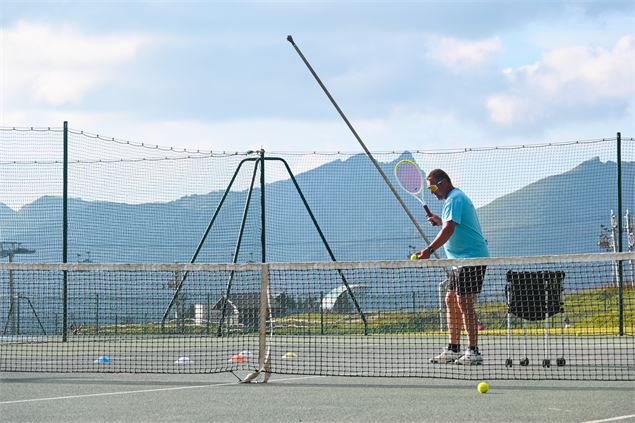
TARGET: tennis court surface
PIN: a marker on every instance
(160, 398)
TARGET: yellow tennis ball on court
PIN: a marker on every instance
(483, 387)
(414, 257)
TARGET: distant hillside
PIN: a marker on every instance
(6, 213)
(357, 213)
(559, 214)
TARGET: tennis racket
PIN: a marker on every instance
(409, 177)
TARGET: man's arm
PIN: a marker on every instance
(442, 237)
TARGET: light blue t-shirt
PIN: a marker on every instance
(467, 241)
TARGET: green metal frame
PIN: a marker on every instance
(260, 161)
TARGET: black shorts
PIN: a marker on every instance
(466, 279)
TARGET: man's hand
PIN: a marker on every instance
(423, 254)
(435, 220)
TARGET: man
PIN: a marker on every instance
(461, 237)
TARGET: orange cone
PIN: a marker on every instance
(238, 358)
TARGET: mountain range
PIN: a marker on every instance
(357, 213)
(359, 217)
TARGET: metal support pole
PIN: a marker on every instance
(241, 231)
(65, 237)
(200, 245)
(263, 242)
(620, 268)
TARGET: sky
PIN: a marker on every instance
(220, 75)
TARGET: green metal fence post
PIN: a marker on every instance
(263, 238)
(620, 268)
(65, 236)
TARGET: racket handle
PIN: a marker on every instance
(428, 212)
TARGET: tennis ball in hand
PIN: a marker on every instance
(414, 257)
(483, 387)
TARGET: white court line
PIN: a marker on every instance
(612, 419)
(176, 388)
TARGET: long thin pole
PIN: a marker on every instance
(368, 153)
(65, 236)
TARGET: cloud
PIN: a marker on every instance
(365, 79)
(461, 55)
(566, 80)
(54, 66)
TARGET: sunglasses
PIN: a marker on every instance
(435, 187)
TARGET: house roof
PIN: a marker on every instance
(246, 300)
(329, 300)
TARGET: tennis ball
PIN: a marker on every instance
(413, 257)
(483, 387)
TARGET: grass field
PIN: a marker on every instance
(591, 312)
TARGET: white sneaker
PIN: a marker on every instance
(447, 356)
(471, 357)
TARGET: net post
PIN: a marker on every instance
(262, 315)
(65, 236)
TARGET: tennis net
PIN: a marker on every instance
(558, 317)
